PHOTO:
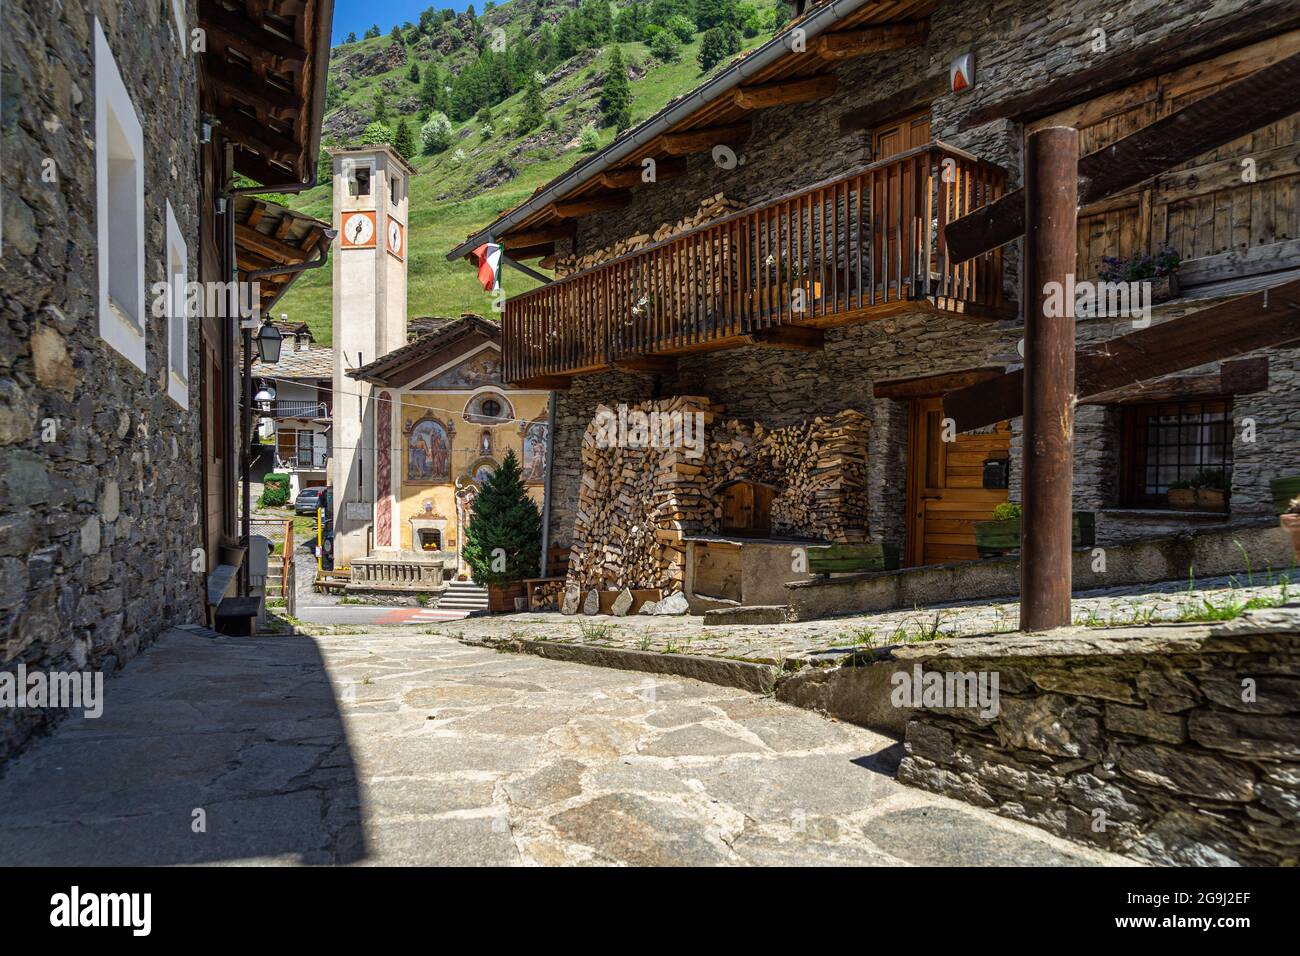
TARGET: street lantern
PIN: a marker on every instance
(268, 343)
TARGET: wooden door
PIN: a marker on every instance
(945, 493)
(894, 198)
(747, 509)
(1204, 210)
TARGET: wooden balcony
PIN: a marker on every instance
(850, 249)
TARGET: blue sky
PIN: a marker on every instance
(358, 15)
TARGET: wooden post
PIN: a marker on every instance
(1051, 246)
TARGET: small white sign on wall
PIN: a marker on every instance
(356, 511)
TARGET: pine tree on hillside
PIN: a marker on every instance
(404, 139)
(372, 32)
(414, 73)
(616, 98)
(715, 13)
(503, 540)
(534, 107)
(381, 108)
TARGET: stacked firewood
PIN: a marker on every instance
(711, 208)
(548, 595)
(637, 505)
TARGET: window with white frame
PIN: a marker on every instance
(119, 195)
(178, 335)
(178, 10)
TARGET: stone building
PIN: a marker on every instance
(122, 125)
(786, 262)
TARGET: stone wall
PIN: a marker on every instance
(1177, 745)
(1017, 44)
(97, 524)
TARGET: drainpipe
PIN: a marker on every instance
(546, 484)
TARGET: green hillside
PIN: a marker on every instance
(491, 164)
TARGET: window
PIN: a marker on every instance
(1172, 443)
(359, 182)
(306, 442)
(491, 407)
(178, 10)
(394, 189)
(178, 334)
(119, 194)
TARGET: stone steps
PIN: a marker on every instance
(464, 596)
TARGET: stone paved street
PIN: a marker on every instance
(828, 639)
(408, 748)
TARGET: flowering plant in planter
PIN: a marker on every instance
(1161, 270)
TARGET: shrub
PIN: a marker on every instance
(681, 27)
(1007, 511)
(435, 135)
(589, 141)
(666, 47)
(718, 44)
(1140, 266)
(375, 134)
(275, 490)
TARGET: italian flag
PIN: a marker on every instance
(488, 259)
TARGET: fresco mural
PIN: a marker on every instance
(428, 455)
(475, 372)
(534, 465)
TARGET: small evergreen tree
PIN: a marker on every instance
(616, 97)
(373, 31)
(503, 540)
(666, 47)
(435, 135)
(404, 139)
(534, 107)
(352, 37)
(396, 35)
(381, 108)
(718, 44)
(414, 73)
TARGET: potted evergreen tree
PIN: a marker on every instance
(503, 541)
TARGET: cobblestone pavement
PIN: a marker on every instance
(400, 748)
(830, 638)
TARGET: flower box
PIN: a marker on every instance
(1002, 536)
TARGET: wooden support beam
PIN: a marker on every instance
(703, 140)
(627, 176)
(533, 237)
(1261, 320)
(247, 36)
(785, 92)
(268, 246)
(1051, 197)
(1249, 104)
(654, 364)
(1203, 41)
(552, 383)
(907, 100)
(927, 386)
(792, 337)
(538, 251)
(586, 205)
(881, 39)
(259, 137)
(1240, 377)
(244, 84)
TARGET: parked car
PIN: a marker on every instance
(308, 500)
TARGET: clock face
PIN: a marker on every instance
(359, 229)
(395, 238)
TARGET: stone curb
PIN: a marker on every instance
(743, 675)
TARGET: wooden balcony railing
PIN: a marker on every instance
(829, 255)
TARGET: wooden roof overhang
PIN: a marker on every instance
(264, 76)
(270, 236)
(414, 361)
(721, 117)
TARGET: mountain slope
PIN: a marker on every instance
(484, 171)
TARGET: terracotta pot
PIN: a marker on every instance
(1292, 525)
(1210, 498)
(1182, 498)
